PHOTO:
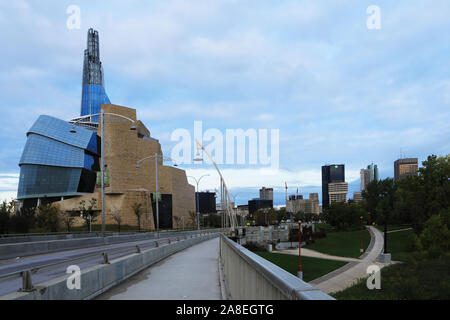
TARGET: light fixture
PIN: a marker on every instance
(133, 127)
(198, 157)
(73, 130)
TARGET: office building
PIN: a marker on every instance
(405, 167)
(266, 193)
(296, 203)
(256, 204)
(337, 192)
(368, 175)
(206, 202)
(331, 174)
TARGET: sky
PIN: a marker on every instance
(337, 91)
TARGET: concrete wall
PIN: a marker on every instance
(14, 250)
(98, 279)
(247, 276)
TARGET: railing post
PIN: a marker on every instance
(27, 283)
(105, 258)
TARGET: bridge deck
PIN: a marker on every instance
(192, 274)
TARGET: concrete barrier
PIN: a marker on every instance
(248, 276)
(13, 250)
(98, 279)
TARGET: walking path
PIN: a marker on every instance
(191, 274)
(317, 254)
(346, 276)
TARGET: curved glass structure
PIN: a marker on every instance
(57, 162)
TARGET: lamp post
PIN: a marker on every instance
(362, 248)
(102, 152)
(300, 272)
(156, 157)
(197, 196)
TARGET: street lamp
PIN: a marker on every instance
(156, 156)
(300, 272)
(102, 154)
(362, 248)
(197, 196)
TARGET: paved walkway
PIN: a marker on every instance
(317, 254)
(345, 277)
(192, 274)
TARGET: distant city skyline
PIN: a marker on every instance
(338, 92)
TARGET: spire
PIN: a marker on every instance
(93, 94)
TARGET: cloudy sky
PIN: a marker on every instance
(337, 91)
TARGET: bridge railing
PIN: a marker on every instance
(247, 276)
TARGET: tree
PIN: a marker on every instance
(116, 215)
(48, 217)
(88, 213)
(68, 218)
(193, 218)
(5, 211)
(345, 216)
(379, 198)
(137, 211)
(436, 234)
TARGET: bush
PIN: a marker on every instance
(413, 243)
(435, 235)
(255, 246)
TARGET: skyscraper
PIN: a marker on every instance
(368, 175)
(93, 92)
(334, 175)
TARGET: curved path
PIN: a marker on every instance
(346, 276)
(191, 274)
(317, 254)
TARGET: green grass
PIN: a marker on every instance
(397, 245)
(312, 268)
(344, 244)
(423, 280)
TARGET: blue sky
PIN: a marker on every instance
(338, 92)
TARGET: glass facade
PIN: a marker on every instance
(56, 162)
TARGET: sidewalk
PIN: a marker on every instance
(316, 254)
(345, 277)
(192, 274)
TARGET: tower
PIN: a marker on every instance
(93, 92)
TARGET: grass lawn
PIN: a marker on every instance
(313, 268)
(424, 280)
(344, 244)
(397, 245)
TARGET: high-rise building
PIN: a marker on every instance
(266, 193)
(368, 175)
(331, 174)
(337, 192)
(93, 90)
(405, 167)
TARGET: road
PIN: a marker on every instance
(84, 258)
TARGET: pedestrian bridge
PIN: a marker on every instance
(207, 266)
